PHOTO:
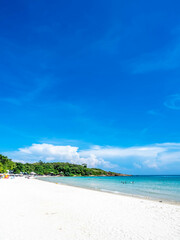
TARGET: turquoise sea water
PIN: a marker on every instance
(153, 187)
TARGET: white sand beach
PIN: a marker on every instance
(35, 210)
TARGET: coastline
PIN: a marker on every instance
(116, 193)
(35, 209)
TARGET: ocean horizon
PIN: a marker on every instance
(155, 187)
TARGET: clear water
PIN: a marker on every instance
(153, 187)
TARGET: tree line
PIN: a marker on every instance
(54, 168)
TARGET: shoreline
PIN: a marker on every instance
(117, 193)
(36, 209)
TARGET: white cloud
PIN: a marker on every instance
(116, 152)
(49, 152)
(156, 157)
(173, 102)
(150, 156)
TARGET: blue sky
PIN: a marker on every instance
(100, 79)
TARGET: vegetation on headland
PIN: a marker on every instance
(54, 168)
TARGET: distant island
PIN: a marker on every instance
(53, 169)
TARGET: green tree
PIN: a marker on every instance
(1, 168)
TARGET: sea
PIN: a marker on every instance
(162, 188)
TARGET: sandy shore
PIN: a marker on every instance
(36, 210)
